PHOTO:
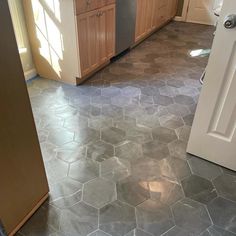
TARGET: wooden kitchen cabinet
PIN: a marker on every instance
(96, 38)
(152, 14)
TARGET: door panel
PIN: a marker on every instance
(201, 11)
(140, 31)
(213, 134)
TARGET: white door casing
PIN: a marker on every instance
(213, 134)
(201, 11)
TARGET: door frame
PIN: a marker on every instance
(184, 12)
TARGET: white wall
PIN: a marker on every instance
(21, 34)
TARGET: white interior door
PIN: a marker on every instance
(213, 135)
(201, 11)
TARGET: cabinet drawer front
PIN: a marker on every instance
(83, 6)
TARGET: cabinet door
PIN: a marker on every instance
(88, 37)
(163, 12)
(140, 30)
(155, 14)
(149, 15)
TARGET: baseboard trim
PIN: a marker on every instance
(30, 74)
(22, 222)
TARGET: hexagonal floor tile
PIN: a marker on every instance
(99, 192)
(111, 91)
(65, 193)
(168, 91)
(191, 216)
(174, 168)
(75, 122)
(112, 111)
(223, 212)
(80, 219)
(178, 110)
(150, 121)
(86, 135)
(162, 100)
(98, 233)
(100, 123)
(184, 100)
(113, 135)
(129, 150)
(115, 169)
(165, 191)
(183, 133)
(138, 232)
(226, 186)
(71, 152)
(48, 151)
(178, 149)
(199, 189)
(177, 231)
(175, 83)
(204, 168)
(171, 121)
(146, 169)
(154, 217)
(56, 170)
(60, 136)
(84, 170)
(117, 218)
(214, 230)
(164, 135)
(156, 150)
(100, 151)
(132, 191)
(131, 91)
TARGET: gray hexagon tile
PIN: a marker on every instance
(80, 219)
(150, 121)
(177, 231)
(100, 101)
(64, 188)
(184, 100)
(199, 189)
(117, 218)
(171, 121)
(191, 216)
(100, 151)
(204, 168)
(188, 120)
(60, 136)
(223, 212)
(175, 83)
(100, 123)
(178, 149)
(115, 169)
(138, 232)
(71, 152)
(214, 230)
(146, 169)
(129, 150)
(164, 135)
(84, 170)
(183, 133)
(154, 217)
(174, 169)
(112, 111)
(48, 151)
(86, 135)
(75, 122)
(178, 110)
(156, 150)
(131, 91)
(226, 186)
(113, 135)
(99, 192)
(163, 100)
(132, 191)
(99, 233)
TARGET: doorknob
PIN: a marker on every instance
(230, 22)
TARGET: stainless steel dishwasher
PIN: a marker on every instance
(125, 24)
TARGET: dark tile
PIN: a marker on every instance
(164, 135)
(99, 192)
(223, 214)
(154, 217)
(204, 168)
(199, 189)
(226, 186)
(113, 135)
(84, 170)
(191, 216)
(155, 150)
(100, 151)
(80, 219)
(132, 191)
(117, 218)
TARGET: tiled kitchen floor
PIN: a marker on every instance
(114, 147)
